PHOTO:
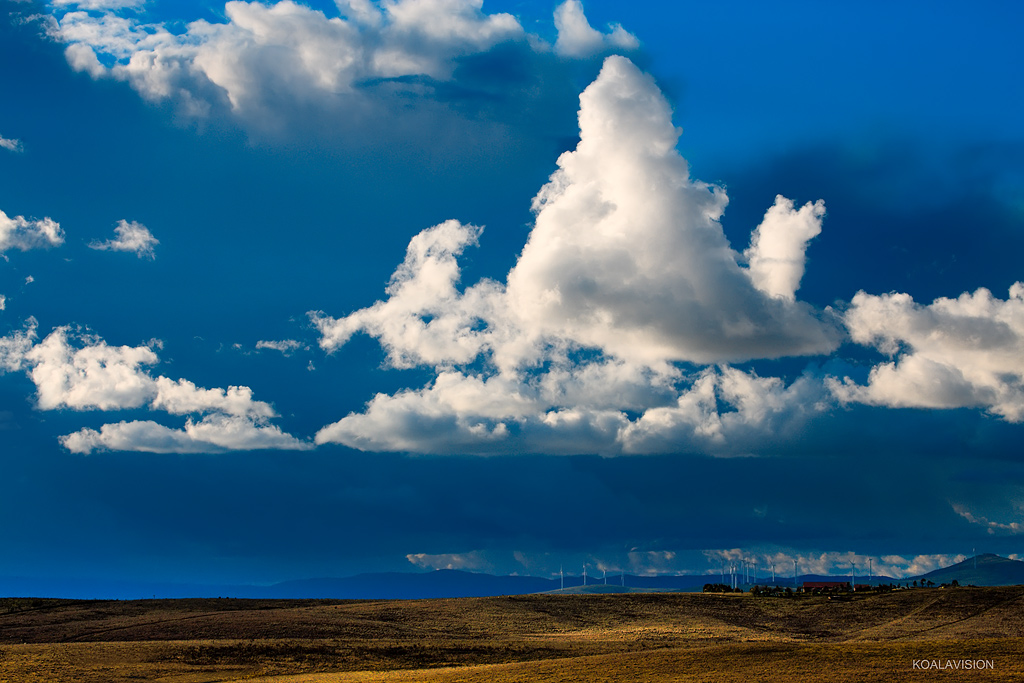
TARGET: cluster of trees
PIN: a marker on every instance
(826, 591)
(779, 591)
(917, 584)
(772, 591)
(720, 588)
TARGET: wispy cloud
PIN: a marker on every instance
(131, 237)
(10, 144)
(14, 346)
(1012, 528)
(285, 346)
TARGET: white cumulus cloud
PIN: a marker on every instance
(96, 376)
(626, 275)
(577, 38)
(132, 237)
(212, 434)
(498, 414)
(267, 61)
(181, 397)
(777, 249)
(425, 319)
(627, 253)
(952, 353)
(24, 234)
(79, 371)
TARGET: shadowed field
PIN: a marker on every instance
(628, 637)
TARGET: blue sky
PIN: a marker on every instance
(297, 290)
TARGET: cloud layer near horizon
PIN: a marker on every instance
(755, 563)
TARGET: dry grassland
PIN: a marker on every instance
(629, 637)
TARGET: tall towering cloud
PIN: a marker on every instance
(626, 277)
(627, 253)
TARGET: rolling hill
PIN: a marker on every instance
(656, 637)
(983, 570)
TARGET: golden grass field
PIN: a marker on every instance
(628, 637)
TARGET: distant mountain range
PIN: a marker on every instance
(984, 570)
(443, 583)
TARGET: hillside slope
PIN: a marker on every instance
(983, 570)
(624, 637)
